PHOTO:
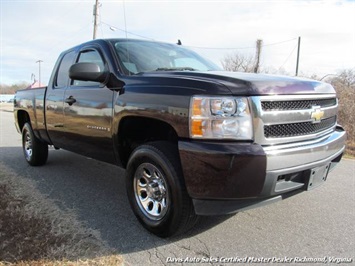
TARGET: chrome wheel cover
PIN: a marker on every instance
(27, 145)
(151, 191)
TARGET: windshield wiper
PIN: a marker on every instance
(175, 69)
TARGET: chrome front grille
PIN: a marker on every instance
(293, 118)
(298, 129)
(297, 105)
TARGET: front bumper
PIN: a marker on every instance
(227, 177)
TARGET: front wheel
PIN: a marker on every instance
(35, 151)
(156, 190)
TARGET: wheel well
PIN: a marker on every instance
(22, 118)
(134, 131)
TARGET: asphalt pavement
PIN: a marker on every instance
(318, 225)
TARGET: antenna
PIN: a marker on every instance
(298, 55)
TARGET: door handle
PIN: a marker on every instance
(70, 100)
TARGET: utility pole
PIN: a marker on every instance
(298, 55)
(39, 72)
(96, 14)
(259, 43)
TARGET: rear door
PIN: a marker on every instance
(88, 113)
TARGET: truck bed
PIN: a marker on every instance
(32, 100)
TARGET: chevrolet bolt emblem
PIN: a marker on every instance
(317, 114)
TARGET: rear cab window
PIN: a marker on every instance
(62, 76)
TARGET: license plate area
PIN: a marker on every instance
(317, 176)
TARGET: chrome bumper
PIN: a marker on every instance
(290, 169)
(287, 165)
(293, 155)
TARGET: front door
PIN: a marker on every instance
(88, 114)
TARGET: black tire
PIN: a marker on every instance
(156, 190)
(35, 151)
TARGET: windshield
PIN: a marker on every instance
(138, 56)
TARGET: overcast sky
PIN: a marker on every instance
(40, 30)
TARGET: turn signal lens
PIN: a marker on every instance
(196, 128)
(196, 107)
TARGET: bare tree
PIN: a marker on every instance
(238, 62)
(274, 71)
(344, 84)
(11, 89)
(243, 63)
(345, 77)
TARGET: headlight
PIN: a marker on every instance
(220, 118)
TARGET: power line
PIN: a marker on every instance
(276, 43)
(288, 57)
(240, 48)
(112, 27)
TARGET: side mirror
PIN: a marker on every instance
(87, 72)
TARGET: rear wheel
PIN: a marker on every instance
(35, 151)
(156, 190)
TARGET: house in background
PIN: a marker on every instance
(35, 84)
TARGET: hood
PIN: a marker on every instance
(260, 84)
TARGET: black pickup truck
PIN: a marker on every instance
(194, 140)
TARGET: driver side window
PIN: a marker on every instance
(89, 56)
